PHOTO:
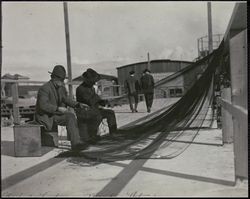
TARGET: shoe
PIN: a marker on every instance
(149, 110)
(79, 147)
(136, 111)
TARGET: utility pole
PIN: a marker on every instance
(210, 32)
(1, 39)
(148, 62)
(66, 21)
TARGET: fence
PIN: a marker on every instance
(234, 104)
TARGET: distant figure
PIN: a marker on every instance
(97, 89)
(132, 88)
(85, 93)
(147, 86)
(52, 100)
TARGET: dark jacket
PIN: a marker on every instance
(48, 100)
(86, 94)
(131, 85)
(147, 83)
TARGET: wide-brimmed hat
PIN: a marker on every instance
(146, 70)
(59, 71)
(91, 74)
(132, 72)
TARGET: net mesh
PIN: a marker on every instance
(167, 132)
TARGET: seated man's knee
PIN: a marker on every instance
(70, 116)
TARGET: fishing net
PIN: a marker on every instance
(167, 132)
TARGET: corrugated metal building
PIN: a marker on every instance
(159, 69)
(180, 82)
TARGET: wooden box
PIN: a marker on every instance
(27, 140)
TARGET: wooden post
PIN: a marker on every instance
(66, 20)
(148, 62)
(1, 39)
(202, 45)
(198, 45)
(238, 65)
(226, 117)
(14, 92)
(210, 33)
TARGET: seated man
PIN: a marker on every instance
(85, 93)
(51, 108)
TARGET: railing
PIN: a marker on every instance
(15, 97)
(234, 103)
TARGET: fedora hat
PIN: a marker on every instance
(91, 74)
(59, 71)
(132, 72)
(146, 70)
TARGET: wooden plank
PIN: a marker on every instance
(238, 112)
(238, 64)
(22, 81)
(226, 117)
(14, 91)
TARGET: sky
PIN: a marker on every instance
(103, 35)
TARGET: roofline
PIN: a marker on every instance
(155, 60)
(239, 7)
(111, 76)
(176, 74)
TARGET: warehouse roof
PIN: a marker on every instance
(155, 61)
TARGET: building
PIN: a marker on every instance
(106, 87)
(177, 84)
(25, 90)
(159, 69)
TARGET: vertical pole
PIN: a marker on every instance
(66, 20)
(14, 92)
(148, 62)
(226, 118)
(210, 34)
(202, 45)
(198, 45)
(1, 38)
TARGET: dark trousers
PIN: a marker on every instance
(69, 120)
(133, 97)
(89, 122)
(111, 119)
(149, 97)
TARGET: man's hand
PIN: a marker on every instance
(101, 107)
(62, 109)
(82, 106)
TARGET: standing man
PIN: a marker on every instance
(147, 85)
(52, 100)
(85, 93)
(132, 88)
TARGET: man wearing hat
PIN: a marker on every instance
(52, 100)
(85, 93)
(132, 88)
(147, 86)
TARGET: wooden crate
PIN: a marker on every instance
(27, 140)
